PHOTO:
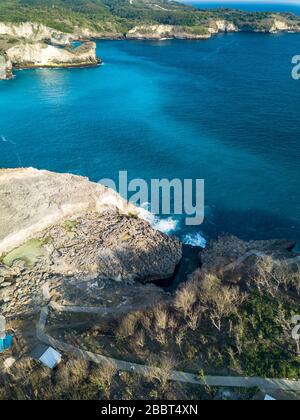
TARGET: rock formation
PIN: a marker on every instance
(44, 55)
(58, 227)
(34, 32)
(217, 26)
(163, 31)
(234, 259)
(5, 68)
(279, 25)
(28, 45)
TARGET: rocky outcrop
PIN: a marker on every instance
(279, 25)
(64, 228)
(5, 68)
(32, 200)
(44, 55)
(233, 259)
(109, 32)
(34, 32)
(164, 31)
(183, 32)
(28, 45)
(217, 26)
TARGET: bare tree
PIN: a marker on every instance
(127, 326)
(220, 301)
(164, 371)
(160, 318)
(103, 376)
(140, 339)
(180, 337)
(193, 318)
(287, 326)
(262, 275)
(185, 299)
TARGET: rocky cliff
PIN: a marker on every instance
(26, 55)
(217, 26)
(34, 32)
(181, 32)
(213, 26)
(5, 68)
(68, 230)
(28, 45)
(164, 31)
(280, 25)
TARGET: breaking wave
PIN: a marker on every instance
(170, 226)
(167, 225)
(195, 239)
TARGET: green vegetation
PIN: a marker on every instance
(70, 228)
(267, 349)
(118, 16)
(29, 253)
(214, 326)
(70, 225)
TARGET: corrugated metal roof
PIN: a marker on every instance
(50, 358)
(269, 398)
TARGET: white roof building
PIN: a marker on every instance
(47, 356)
(269, 398)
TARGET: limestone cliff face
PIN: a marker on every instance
(163, 31)
(34, 32)
(180, 32)
(108, 32)
(44, 55)
(213, 27)
(5, 68)
(217, 26)
(32, 200)
(70, 232)
(279, 25)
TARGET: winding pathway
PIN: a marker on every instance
(184, 377)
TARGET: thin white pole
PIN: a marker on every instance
(2, 327)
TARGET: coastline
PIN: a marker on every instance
(38, 46)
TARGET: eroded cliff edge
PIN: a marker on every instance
(30, 45)
(66, 229)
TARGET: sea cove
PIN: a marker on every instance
(224, 110)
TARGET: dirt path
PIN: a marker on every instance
(261, 255)
(185, 377)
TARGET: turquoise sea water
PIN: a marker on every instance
(226, 110)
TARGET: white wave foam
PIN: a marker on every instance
(167, 225)
(170, 225)
(195, 239)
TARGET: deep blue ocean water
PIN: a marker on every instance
(226, 110)
(262, 6)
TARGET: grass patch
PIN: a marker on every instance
(29, 253)
(70, 228)
(132, 215)
(70, 225)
